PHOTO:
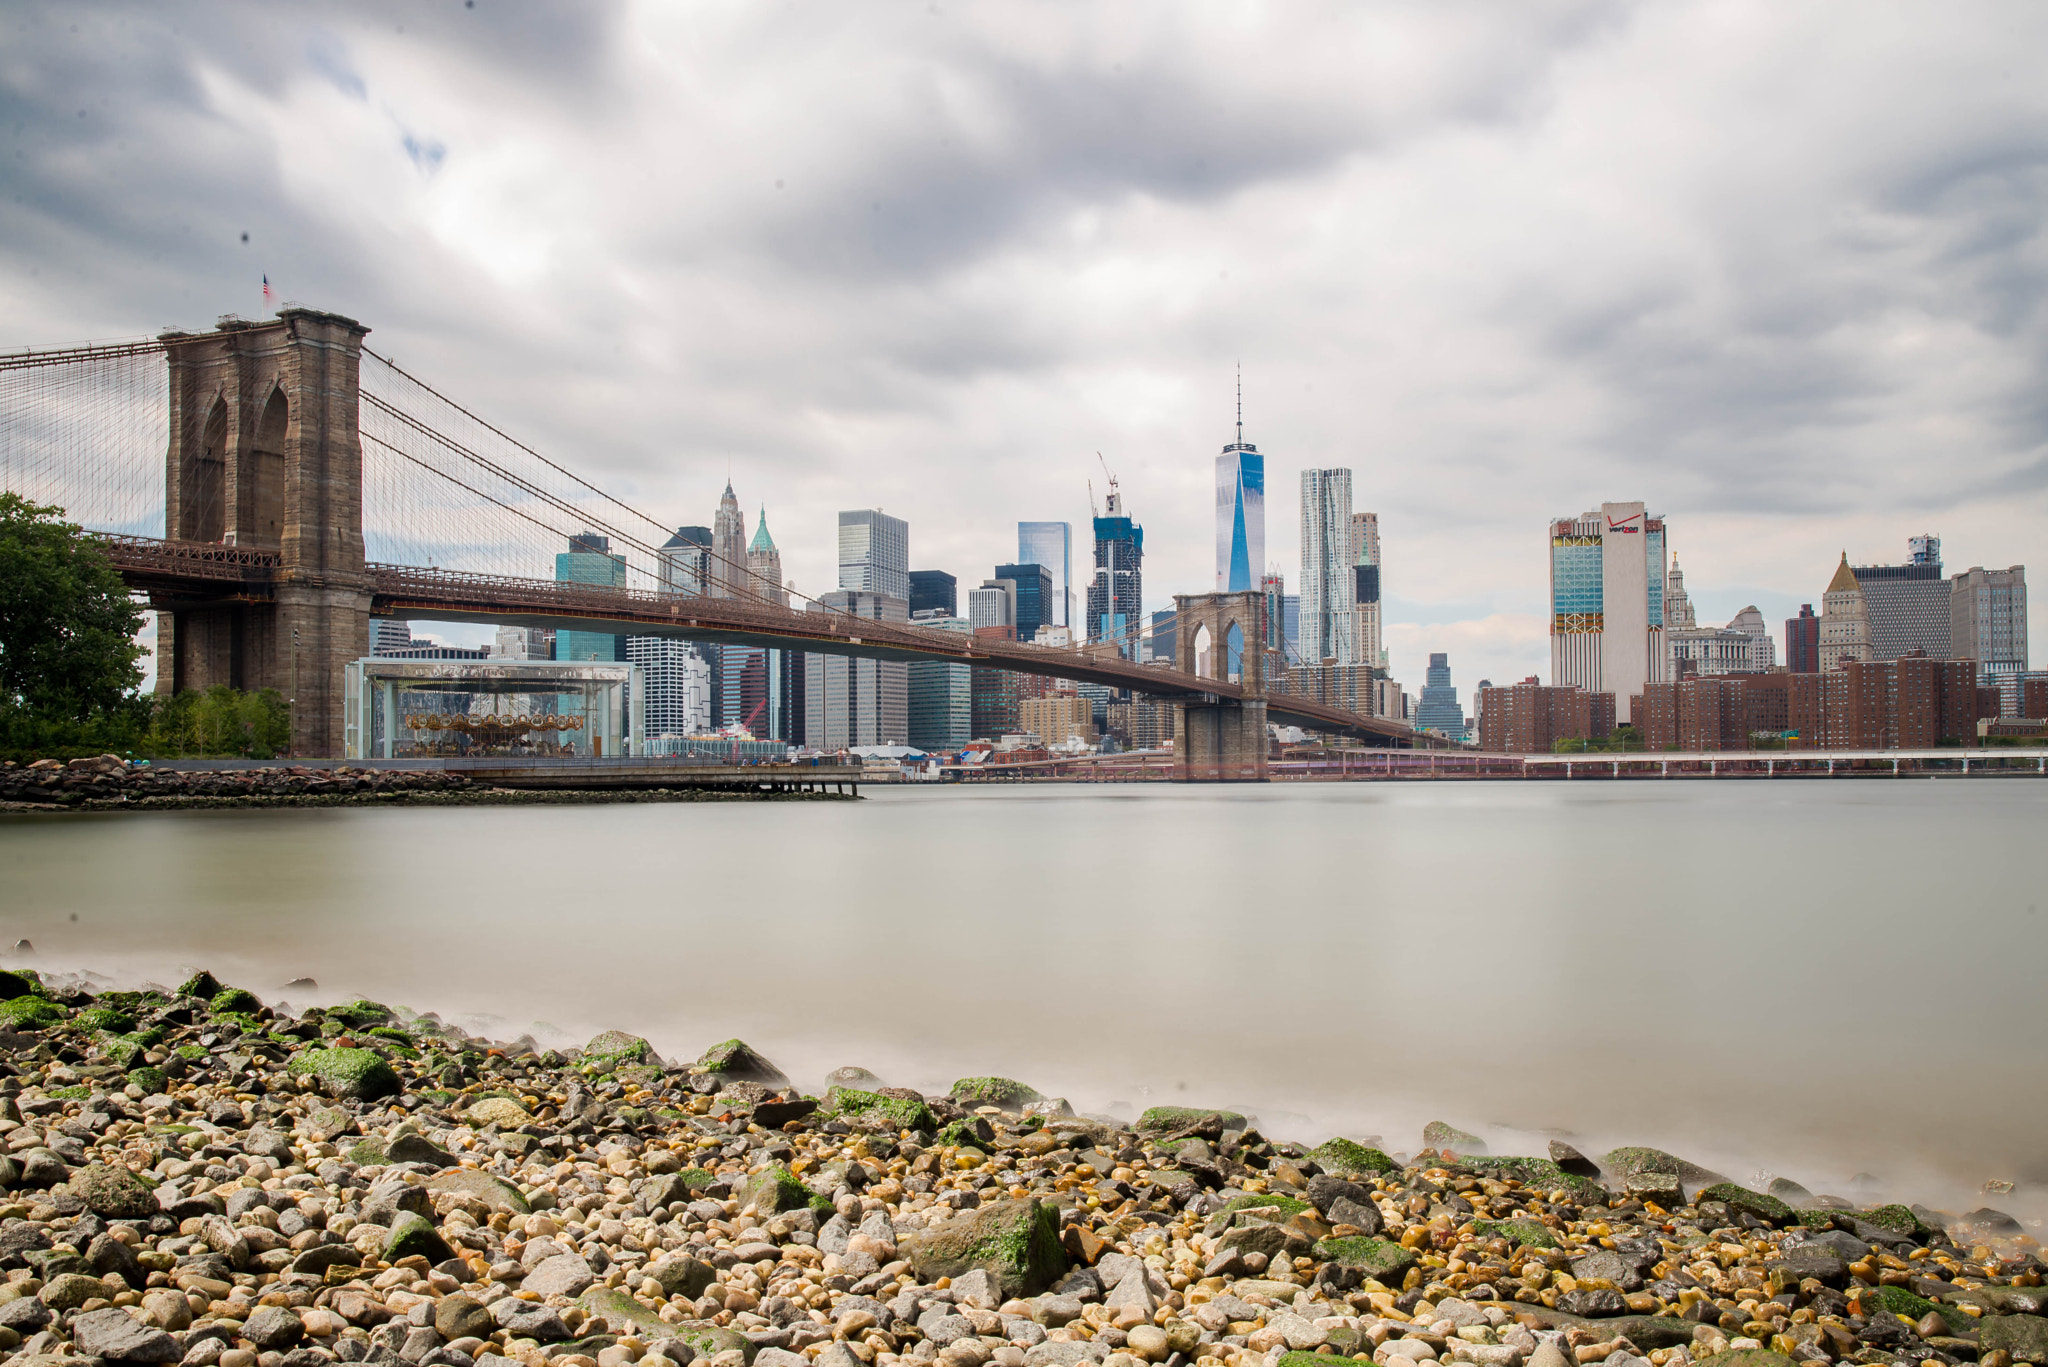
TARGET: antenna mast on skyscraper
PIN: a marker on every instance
(1240, 403)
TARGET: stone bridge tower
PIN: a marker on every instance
(1222, 636)
(264, 453)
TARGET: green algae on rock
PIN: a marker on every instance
(359, 1073)
(901, 1112)
(1017, 1242)
(1343, 1158)
(1006, 1093)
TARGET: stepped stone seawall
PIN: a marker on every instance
(194, 1176)
(108, 777)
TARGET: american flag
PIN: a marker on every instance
(266, 290)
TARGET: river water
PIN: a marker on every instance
(1813, 979)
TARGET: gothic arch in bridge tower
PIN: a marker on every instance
(260, 504)
(1222, 738)
(202, 476)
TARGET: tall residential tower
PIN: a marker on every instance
(1329, 592)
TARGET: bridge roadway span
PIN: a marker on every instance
(204, 571)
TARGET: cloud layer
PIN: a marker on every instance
(1777, 270)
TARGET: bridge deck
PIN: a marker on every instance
(175, 569)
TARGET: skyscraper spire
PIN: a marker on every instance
(1240, 403)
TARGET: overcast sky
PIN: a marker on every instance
(1775, 268)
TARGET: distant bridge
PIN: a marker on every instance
(264, 578)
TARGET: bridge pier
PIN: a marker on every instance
(265, 452)
(1222, 636)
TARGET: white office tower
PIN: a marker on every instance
(678, 685)
(874, 553)
(851, 702)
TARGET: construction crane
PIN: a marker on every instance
(747, 725)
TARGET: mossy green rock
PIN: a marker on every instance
(153, 1081)
(367, 1153)
(34, 1012)
(1288, 1206)
(901, 1112)
(14, 985)
(1633, 1160)
(710, 1339)
(1900, 1301)
(1017, 1242)
(1438, 1134)
(736, 1059)
(358, 1073)
(202, 985)
(1747, 1357)
(2024, 1336)
(1299, 1359)
(615, 1049)
(114, 1192)
(494, 1192)
(235, 999)
(1527, 1233)
(1743, 1199)
(621, 1314)
(771, 1191)
(1167, 1119)
(1898, 1219)
(1382, 1259)
(1005, 1092)
(104, 1018)
(361, 1015)
(412, 1234)
(1343, 1158)
(1543, 1174)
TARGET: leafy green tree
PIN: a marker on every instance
(67, 627)
(1625, 737)
(220, 721)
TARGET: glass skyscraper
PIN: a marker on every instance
(1051, 544)
(941, 695)
(1240, 517)
(1439, 711)
(1034, 597)
(874, 553)
(589, 561)
(934, 591)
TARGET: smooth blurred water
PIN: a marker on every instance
(1809, 978)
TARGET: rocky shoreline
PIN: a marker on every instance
(109, 783)
(195, 1177)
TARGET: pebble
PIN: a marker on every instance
(229, 1183)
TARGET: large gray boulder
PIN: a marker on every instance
(116, 1336)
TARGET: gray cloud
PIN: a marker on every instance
(1781, 276)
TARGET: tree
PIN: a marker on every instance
(67, 627)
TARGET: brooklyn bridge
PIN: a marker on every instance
(272, 486)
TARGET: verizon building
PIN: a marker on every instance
(1607, 602)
